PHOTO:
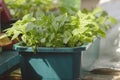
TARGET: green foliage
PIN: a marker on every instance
(65, 30)
(70, 3)
(19, 8)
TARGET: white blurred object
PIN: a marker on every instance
(110, 46)
(55, 1)
(104, 1)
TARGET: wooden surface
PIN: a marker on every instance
(13, 74)
(103, 74)
(97, 74)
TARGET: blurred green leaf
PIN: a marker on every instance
(97, 10)
(113, 20)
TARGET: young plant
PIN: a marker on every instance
(19, 8)
(60, 31)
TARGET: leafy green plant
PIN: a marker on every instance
(70, 3)
(19, 8)
(65, 30)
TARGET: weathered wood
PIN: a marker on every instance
(103, 74)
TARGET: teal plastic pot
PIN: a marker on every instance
(51, 63)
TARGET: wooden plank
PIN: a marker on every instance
(103, 74)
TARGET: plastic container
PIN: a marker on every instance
(53, 63)
(50, 63)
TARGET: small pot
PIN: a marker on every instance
(6, 43)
